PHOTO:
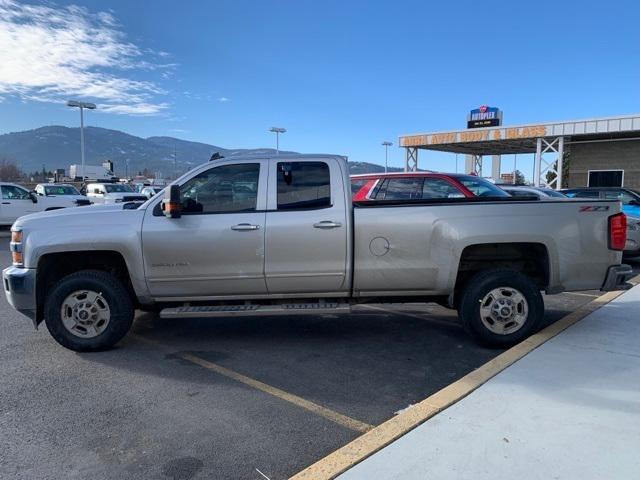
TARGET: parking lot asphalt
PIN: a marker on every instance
(231, 398)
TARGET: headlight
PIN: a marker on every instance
(118, 200)
(15, 246)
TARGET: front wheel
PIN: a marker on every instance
(88, 311)
(500, 308)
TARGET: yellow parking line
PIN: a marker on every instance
(327, 413)
(374, 440)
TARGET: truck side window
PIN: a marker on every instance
(438, 188)
(303, 185)
(403, 189)
(9, 192)
(224, 189)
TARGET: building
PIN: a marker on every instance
(573, 153)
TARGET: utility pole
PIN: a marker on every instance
(81, 106)
(386, 146)
(277, 131)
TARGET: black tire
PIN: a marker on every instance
(479, 286)
(114, 294)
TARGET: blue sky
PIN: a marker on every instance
(341, 76)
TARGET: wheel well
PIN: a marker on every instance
(54, 266)
(531, 259)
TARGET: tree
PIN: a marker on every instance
(519, 177)
(9, 172)
(566, 162)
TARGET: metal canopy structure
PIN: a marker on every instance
(546, 140)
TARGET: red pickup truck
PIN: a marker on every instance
(421, 185)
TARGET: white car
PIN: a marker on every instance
(18, 201)
(64, 190)
(150, 192)
(113, 193)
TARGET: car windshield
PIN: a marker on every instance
(61, 190)
(481, 187)
(118, 187)
(553, 193)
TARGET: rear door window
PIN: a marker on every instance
(303, 185)
(402, 189)
(438, 188)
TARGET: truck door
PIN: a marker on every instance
(16, 202)
(216, 248)
(306, 241)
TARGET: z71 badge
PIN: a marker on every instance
(595, 208)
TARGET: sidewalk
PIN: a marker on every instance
(568, 410)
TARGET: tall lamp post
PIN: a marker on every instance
(277, 131)
(81, 106)
(386, 146)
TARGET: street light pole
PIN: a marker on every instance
(277, 131)
(386, 146)
(81, 106)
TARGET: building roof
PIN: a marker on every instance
(522, 138)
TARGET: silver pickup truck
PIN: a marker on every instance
(279, 235)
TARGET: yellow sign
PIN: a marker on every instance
(473, 136)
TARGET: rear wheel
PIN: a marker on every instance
(88, 311)
(501, 307)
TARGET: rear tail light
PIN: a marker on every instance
(617, 231)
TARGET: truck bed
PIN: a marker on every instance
(418, 246)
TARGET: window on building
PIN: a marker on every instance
(605, 178)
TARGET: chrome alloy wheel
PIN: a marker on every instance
(85, 313)
(504, 310)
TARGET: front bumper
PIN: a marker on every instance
(20, 289)
(616, 279)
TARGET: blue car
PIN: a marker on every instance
(630, 198)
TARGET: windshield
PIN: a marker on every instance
(61, 190)
(481, 187)
(116, 187)
(553, 193)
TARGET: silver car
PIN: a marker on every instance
(528, 191)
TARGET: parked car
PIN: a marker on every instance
(528, 191)
(113, 193)
(280, 235)
(18, 201)
(421, 185)
(64, 190)
(630, 198)
(151, 191)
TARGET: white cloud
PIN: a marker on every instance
(224, 99)
(52, 54)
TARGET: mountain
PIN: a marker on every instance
(58, 147)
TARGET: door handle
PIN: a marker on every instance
(6, 203)
(244, 227)
(327, 224)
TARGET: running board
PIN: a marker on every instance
(247, 310)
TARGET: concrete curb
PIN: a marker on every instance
(366, 445)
